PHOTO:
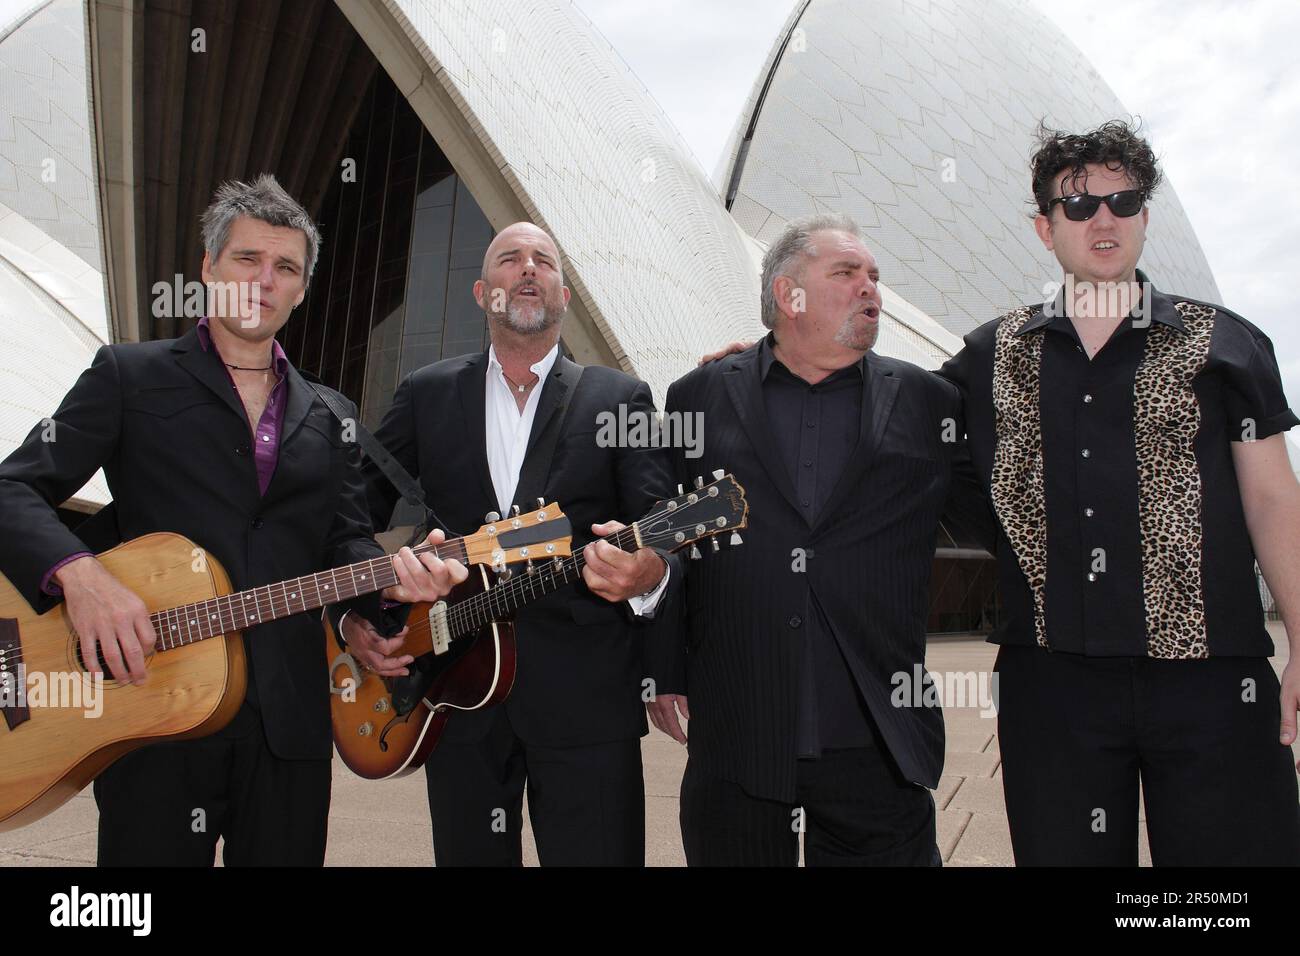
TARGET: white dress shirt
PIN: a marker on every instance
(507, 428)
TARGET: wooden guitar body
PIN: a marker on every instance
(50, 753)
(474, 672)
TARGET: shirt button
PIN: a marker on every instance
(807, 464)
(1092, 576)
(1087, 399)
(796, 621)
(1086, 453)
(1088, 512)
(241, 450)
(266, 438)
(812, 425)
(256, 523)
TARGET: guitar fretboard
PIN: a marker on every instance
(467, 616)
(189, 623)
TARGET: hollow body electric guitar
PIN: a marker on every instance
(465, 644)
(50, 749)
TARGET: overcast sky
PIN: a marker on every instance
(1208, 77)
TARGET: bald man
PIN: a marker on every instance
(482, 433)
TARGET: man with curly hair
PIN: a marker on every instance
(1132, 444)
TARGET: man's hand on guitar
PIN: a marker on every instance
(616, 575)
(661, 714)
(372, 649)
(108, 616)
(723, 352)
(424, 577)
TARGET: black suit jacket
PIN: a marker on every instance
(173, 439)
(867, 560)
(580, 667)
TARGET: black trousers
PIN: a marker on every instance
(167, 804)
(854, 809)
(1077, 734)
(586, 804)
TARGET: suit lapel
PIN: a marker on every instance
(879, 393)
(471, 384)
(297, 405)
(563, 374)
(536, 468)
(207, 369)
(745, 387)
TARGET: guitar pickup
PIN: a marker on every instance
(439, 631)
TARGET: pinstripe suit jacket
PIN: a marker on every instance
(867, 558)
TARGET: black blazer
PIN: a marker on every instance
(173, 439)
(580, 670)
(868, 561)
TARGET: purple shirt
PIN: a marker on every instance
(266, 436)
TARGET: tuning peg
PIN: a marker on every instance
(719, 474)
(491, 516)
(514, 511)
(499, 562)
(735, 538)
(505, 573)
(679, 488)
(716, 546)
(541, 503)
(531, 569)
(699, 482)
(695, 553)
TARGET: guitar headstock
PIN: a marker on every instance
(705, 512)
(544, 533)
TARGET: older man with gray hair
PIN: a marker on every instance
(795, 645)
(217, 437)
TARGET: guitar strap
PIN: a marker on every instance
(401, 479)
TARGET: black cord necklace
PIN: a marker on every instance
(241, 368)
(518, 387)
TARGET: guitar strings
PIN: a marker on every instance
(312, 594)
(463, 617)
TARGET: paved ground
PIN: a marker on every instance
(388, 823)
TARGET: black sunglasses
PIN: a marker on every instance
(1083, 206)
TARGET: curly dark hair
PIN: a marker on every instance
(1117, 144)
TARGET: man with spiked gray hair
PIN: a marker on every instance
(793, 645)
(214, 436)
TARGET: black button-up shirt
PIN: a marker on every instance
(1122, 531)
(816, 428)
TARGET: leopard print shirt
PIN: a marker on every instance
(1166, 418)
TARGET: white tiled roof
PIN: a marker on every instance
(47, 167)
(48, 333)
(665, 267)
(873, 101)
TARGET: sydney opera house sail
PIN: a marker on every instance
(412, 129)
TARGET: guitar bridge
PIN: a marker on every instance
(13, 699)
(439, 630)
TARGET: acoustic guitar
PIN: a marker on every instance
(51, 748)
(465, 644)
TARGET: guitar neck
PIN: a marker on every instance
(467, 616)
(189, 623)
